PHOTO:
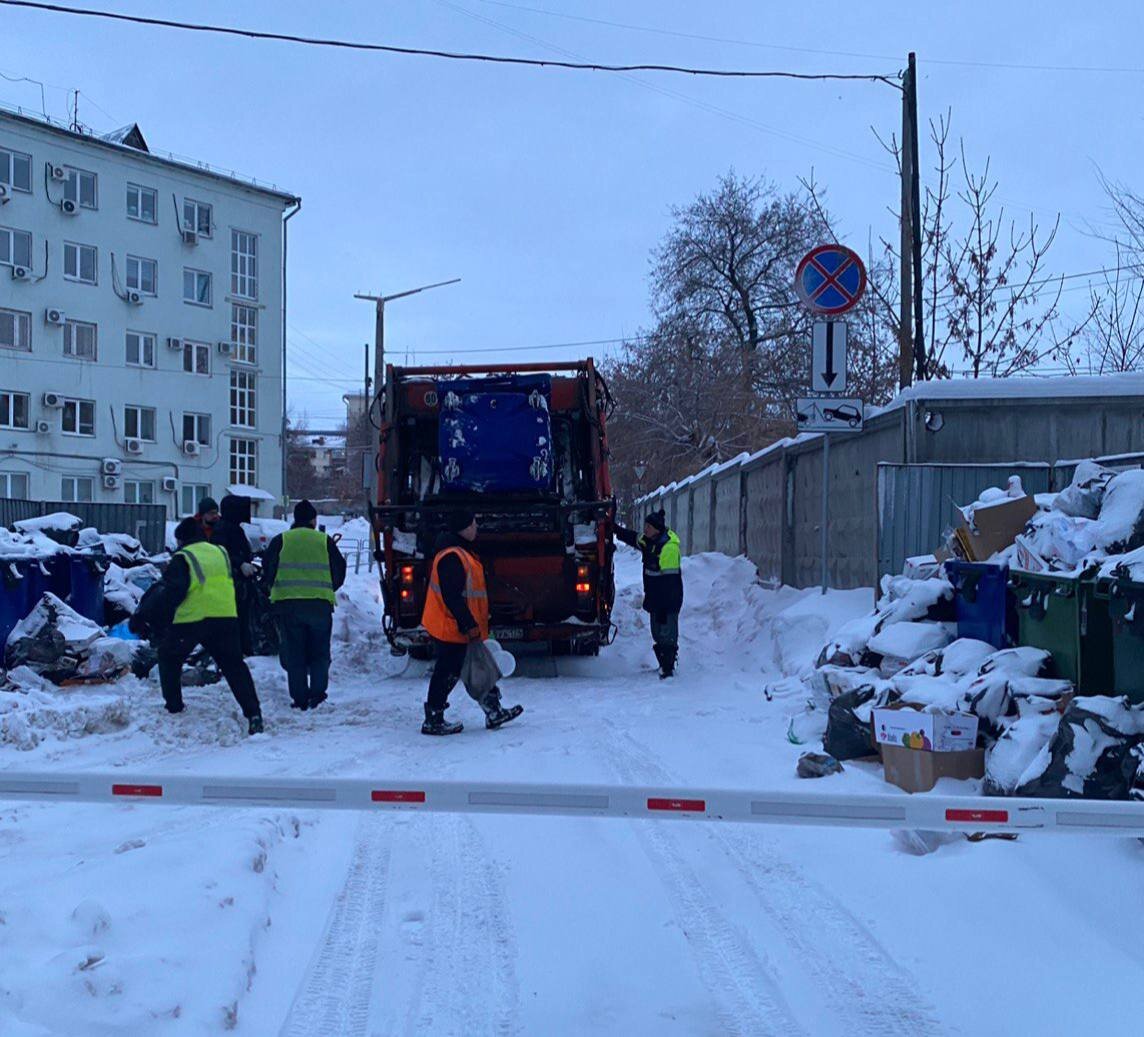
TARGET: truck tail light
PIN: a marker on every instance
(407, 574)
(583, 580)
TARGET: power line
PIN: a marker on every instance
(811, 50)
(317, 41)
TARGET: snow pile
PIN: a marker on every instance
(60, 522)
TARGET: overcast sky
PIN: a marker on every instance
(545, 190)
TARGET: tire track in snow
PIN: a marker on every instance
(468, 982)
(744, 988)
(881, 999)
(334, 997)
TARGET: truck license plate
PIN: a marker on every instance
(509, 633)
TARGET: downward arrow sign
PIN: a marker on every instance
(829, 375)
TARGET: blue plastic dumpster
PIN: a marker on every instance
(983, 606)
(86, 595)
(14, 604)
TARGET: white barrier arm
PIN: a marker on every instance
(920, 811)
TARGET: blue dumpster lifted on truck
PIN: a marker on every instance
(525, 447)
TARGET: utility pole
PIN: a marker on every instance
(363, 418)
(906, 153)
(379, 302)
(911, 98)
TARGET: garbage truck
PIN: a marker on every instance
(525, 447)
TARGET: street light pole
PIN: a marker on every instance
(379, 302)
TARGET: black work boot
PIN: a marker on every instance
(254, 725)
(495, 714)
(667, 656)
(436, 724)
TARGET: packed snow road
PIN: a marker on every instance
(134, 919)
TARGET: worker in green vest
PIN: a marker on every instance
(194, 605)
(303, 568)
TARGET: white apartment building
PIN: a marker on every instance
(142, 320)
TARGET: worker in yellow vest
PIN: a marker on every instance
(457, 613)
(303, 568)
(194, 605)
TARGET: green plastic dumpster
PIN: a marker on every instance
(1068, 616)
(1127, 609)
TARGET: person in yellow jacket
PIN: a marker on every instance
(457, 613)
(303, 568)
(194, 605)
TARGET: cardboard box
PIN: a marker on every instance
(994, 528)
(1027, 558)
(916, 770)
(908, 728)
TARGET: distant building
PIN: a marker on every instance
(141, 322)
(326, 454)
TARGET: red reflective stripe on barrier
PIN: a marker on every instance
(396, 796)
(993, 816)
(698, 805)
(137, 790)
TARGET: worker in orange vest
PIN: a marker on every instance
(457, 614)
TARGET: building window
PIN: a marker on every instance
(139, 422)
(79, 187)
(138, 492)
(197, 217)
(243, 462)
(14, 409)
(244, 333)
(79, 418)
(190, 496)
(140, 349)
(14, 485)
(80, 340)
(16, 330)
(15, 247)
(80, 262)
(242, 398)
(77, 488)
(142, 275)
(197, 428)
(142, 204)
(16, 170)
(196, 357)
(244, 264)
(196, 287)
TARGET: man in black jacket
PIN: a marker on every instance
(222, 530)
(193, 604)
(302, 595)
(663, 584)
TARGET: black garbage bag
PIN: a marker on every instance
(1091, 755)
(256, 618)
(848, 737)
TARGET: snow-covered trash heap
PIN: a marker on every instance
(57, 643)
(1024, 729)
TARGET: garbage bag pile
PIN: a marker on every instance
(57, 643)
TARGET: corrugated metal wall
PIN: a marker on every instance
(146, 522)
(728, 536)
(764, 510)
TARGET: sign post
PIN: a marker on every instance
(830, 279)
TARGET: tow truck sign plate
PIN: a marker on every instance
(508, 633)
(829, 414)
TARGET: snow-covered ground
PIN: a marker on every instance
(136, 919)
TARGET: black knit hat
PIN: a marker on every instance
(304, 513)
(459, 519)
(207, 504)
(188, 532)
(657, 519)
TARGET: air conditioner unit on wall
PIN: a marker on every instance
(69, 208)
(133, 446)
(170, 484)
(226, 348)
(43, 427)
(111, 466)
(190, 236)
(174, 343)
(59, 173)
(54, 316)
(111, 482)
(52, 399)
(4, 196)
(21, 273)
(134, 298)
(191, 448)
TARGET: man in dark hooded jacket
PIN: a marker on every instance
(663, 584)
